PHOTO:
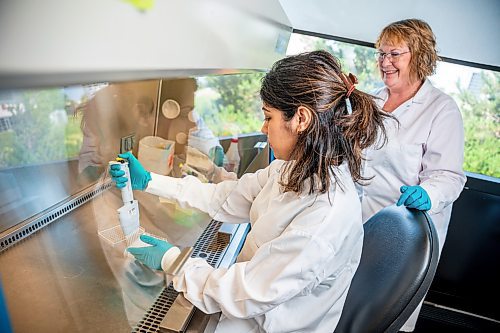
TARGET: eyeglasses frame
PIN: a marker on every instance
(392, 57)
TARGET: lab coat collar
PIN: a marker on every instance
(418, 98)
(422, 92)
(284, 173)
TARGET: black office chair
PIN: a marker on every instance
(398, 262)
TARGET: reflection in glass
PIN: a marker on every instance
(55, 143)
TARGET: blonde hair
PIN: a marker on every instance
(421, 41)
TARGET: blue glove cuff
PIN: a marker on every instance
(146, 180)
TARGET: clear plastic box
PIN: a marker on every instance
(156, 154)
(115, 237)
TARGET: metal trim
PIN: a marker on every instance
(28, 227)
(447, 308)
(372, 45)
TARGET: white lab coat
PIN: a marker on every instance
(297, 262)
(427, 150)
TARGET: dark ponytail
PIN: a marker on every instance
(361, 129)
(334, 136)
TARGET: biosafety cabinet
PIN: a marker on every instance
(81, 82)
(175, 81)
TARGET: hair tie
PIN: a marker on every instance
(350, 83)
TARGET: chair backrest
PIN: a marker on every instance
(398, 262)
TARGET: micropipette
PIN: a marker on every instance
(128, 214)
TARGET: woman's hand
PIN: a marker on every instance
(139, 176)
(151, 256)
(414, 197)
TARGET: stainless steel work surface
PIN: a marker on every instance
(65, 278)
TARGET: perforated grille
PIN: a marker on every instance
(153, 317)
(35, 223)
(209, 247)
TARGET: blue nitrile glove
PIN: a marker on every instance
(151, 256)
(139, 176)
(414, 197)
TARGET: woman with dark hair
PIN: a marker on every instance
(299, 258)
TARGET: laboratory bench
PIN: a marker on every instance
(66, 277)
(62, 272)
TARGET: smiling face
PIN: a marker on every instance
(395, 71)
(281, 135)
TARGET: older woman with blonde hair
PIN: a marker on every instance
(421, 166)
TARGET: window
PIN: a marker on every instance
(40, 125)
(230, 104)
(475, 90)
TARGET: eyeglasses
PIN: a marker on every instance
(391, 56)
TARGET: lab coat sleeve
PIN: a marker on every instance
(291, 264)
(228, 201)
(442, 175)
